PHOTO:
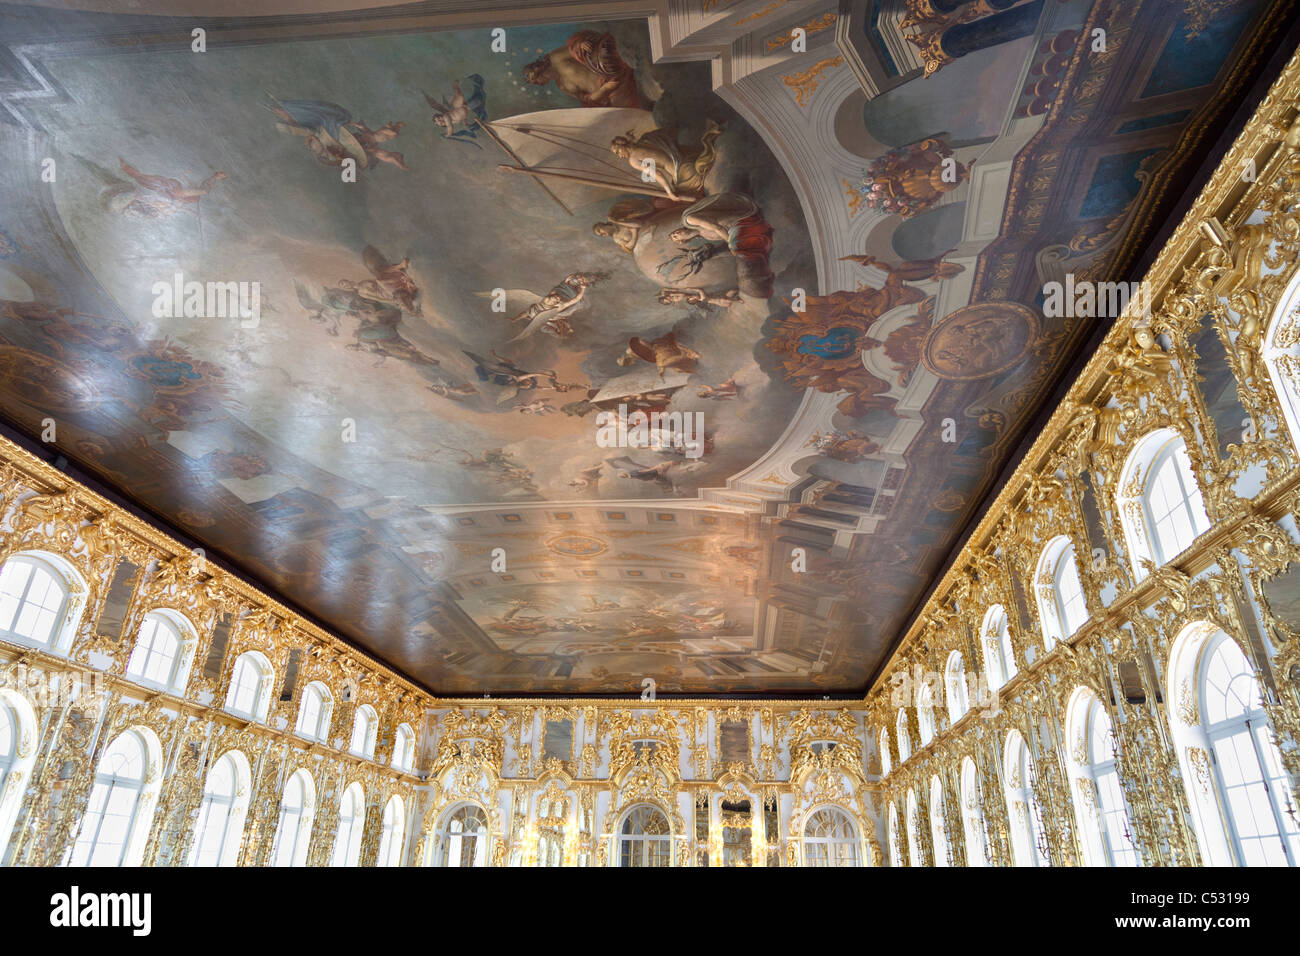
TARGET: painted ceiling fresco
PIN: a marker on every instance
(431, 425)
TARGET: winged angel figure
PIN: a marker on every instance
(460, 118)
(550, 312)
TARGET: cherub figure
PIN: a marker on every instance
(460, 118)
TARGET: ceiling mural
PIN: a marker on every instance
(546, 357)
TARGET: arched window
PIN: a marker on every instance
(999, 659)
(314, 711)
(1061, 605)
(462, 838)
(17, 754)
(1160, 504)
(352, 817)
(404, 748)
(364, 727)
(954, 680)
(163, 652)
(1099, 803)
(249, 695)
(116, 822)
(390, 843)
(904, 738)
(886, 762)
(895, 838)
(925, 713)
(915, 855)
(938, 828)
(41, 596)
(972, 815)
(1028, 845)
(1232, 768)
(220, 827)
(644, 838)
(293, 831)
(830, 839)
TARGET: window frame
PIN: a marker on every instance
(71, 601)
(1137, 519)
(183, 632)
(820, 850)
(370, 716)
(144, 791)
(261, 704)
(234, 812)
(650, 845)
(321, 693)
(305, 818)
(392, 838)
(346, 851)
(439, 853)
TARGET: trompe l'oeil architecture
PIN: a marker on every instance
(1107, 674)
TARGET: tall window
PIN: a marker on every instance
(220, 826)
(915, 856)
(925, 713)
(886, 763)
(116, 822)
(37, 604)
(404, 748)
(1098, 795)
(364, 727)
(1161, 508)
(1061, 604)
(1233, 771)
(293, 831)
(394, 834)
(17, 754)
(164, 648)
(644, 838)
(1028, 844)
(249, 695)
(904, 738)
(954, 679)
(972, 815)
(314, 711)
(830, 839)
(938, 828)
(999, 659)
(352, 815)
(462, 838)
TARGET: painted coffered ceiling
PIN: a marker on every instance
(813, 237)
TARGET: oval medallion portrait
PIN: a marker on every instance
(980, 340)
